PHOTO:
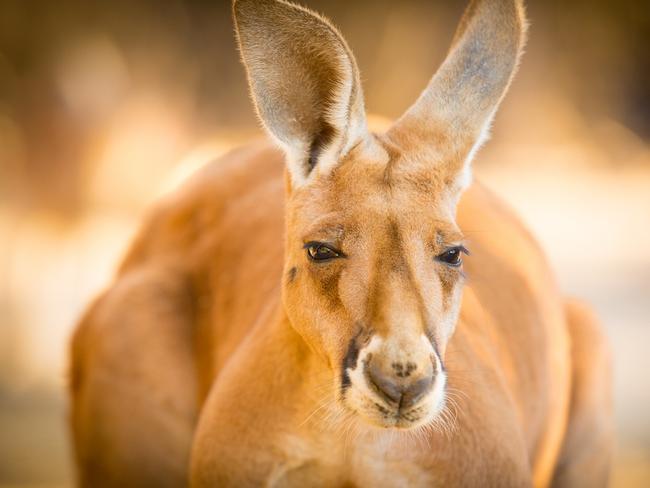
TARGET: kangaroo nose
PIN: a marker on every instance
(405, 390)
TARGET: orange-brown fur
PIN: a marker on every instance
(217, 356)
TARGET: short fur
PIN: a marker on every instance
(222, 355)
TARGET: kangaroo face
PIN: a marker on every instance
(373, 279)
(373, 265)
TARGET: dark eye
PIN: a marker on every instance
(317, 251)
(452, 256)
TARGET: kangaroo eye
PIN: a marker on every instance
(317, 251)
(452, 256)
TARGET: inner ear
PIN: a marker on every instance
(304, 82)
(321, 140)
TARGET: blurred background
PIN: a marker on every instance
(106, 105)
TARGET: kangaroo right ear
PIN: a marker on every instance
(451, 119)
(304, 82)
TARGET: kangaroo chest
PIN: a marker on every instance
(355, 463)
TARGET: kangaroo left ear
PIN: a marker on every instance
(451, 119)
(304, 81)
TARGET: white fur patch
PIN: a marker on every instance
(465, 178)
(356, 375)
(437, 395)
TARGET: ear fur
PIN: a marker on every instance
(456, 109)
(304, 83)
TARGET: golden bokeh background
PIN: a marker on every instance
(105, 105)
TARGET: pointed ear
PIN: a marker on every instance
(304, 82)
(455, 110)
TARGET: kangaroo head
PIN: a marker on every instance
(373, 261)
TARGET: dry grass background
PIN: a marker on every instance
(103, 106)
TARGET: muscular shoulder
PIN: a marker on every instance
(189, 218)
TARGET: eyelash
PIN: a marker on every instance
(452, 256)
(314, 247)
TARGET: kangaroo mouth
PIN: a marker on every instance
(378, 412)
(407, 406)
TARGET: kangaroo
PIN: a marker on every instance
(350, 310)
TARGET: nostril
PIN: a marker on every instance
(384, 385)
(416, 391)
(404, 370)
(403, 390)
